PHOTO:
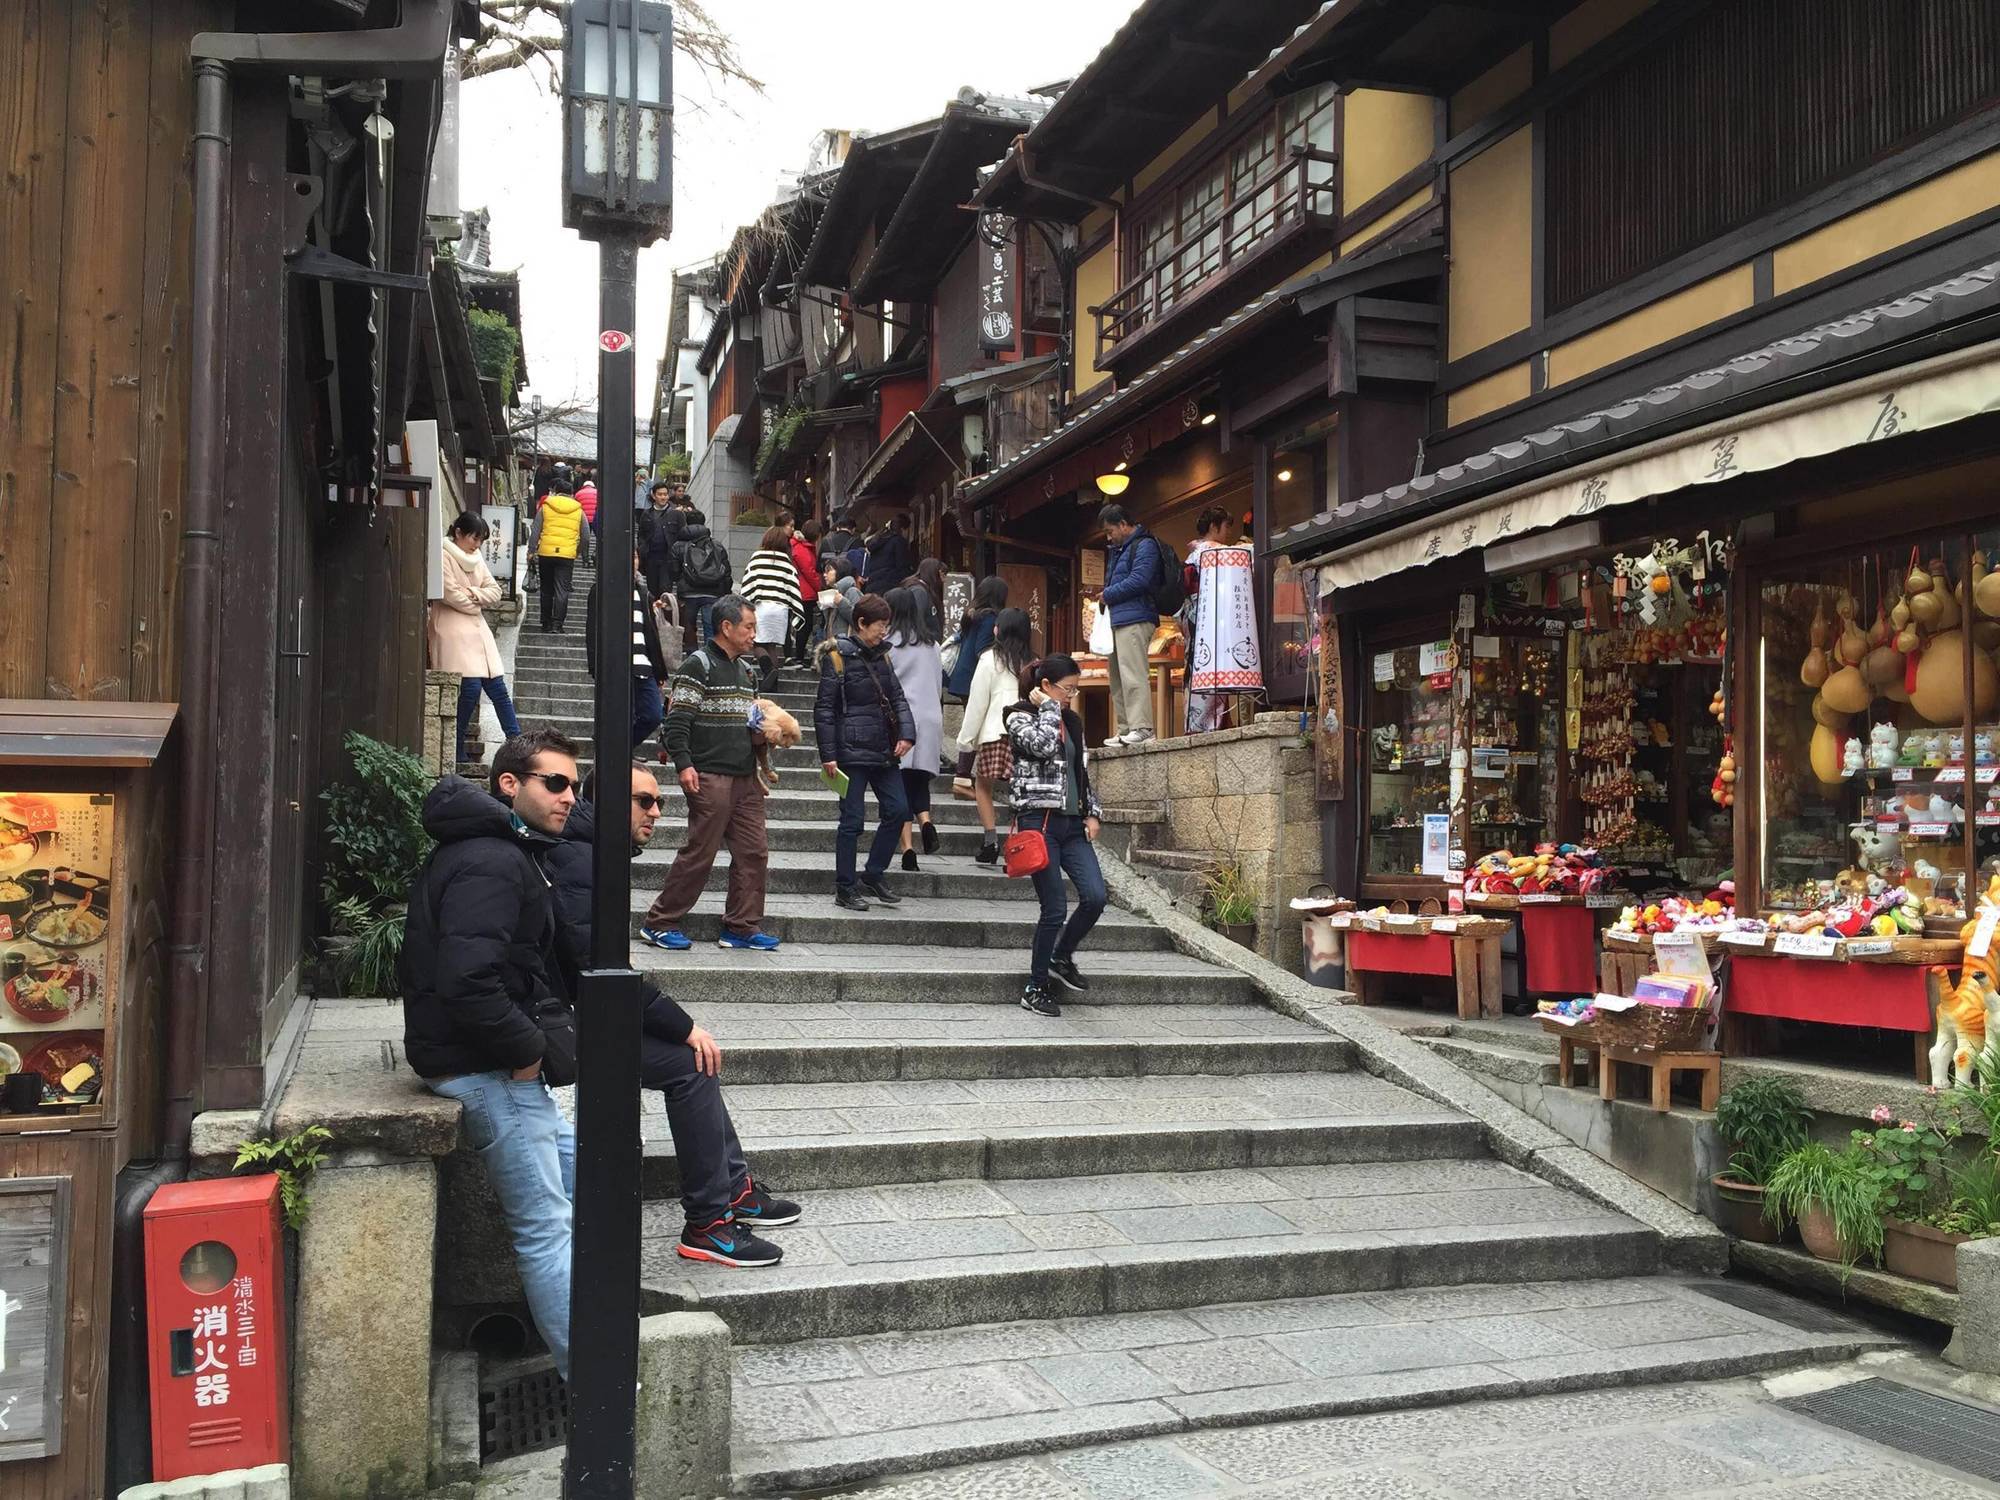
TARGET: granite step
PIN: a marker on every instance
(944, 1255)
(567, 698)
(792, 832)
(947, 922)
(950, 875)
(807, 799)
(822, 1136)
(797, 763)
(1389, 1379)
(1492, 1060)
(881, 978)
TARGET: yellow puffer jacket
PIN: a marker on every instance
(562, 524)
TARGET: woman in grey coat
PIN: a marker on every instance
(913, 651)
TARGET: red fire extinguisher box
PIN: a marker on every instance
(215, 1326)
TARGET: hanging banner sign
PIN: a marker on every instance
(996, 283)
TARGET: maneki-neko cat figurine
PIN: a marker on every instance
(1969, 1012)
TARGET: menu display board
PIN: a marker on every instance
(56, 940)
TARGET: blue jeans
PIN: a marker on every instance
(529, 1151)
(648, 709)
(699, 604)
(468, 705)
(1070, 853)
(887, 782)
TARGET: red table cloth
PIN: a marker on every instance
(1559, 946)
(1380, 953)
(1894, 996)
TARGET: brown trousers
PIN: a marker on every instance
(726, 810)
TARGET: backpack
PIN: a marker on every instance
(1169, 591)
(705, 568)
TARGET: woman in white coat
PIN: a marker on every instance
(996, 687)
(460, 639)
(913, 652)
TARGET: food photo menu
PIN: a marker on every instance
(55, 943)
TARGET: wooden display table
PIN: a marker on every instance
(1465, 950)
(1662, 1066)
(1558, 939)
(1879, 982)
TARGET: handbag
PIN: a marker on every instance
(1026, 852)
(948, 656)
(558, 1023)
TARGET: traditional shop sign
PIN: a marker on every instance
(1951, 388)
(503, 534)
(1329, 762)
(1226, 657)
(56, 940)
(34, 1254)
(996, 283)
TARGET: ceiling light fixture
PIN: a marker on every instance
(1284, 476)
(1113, 485)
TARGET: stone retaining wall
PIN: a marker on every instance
(1244, 794)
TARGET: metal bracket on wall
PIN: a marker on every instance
(308, 192)
(326, 266)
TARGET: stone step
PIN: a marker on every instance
(1392, 1379)
(1492, 1060)
(939, 980)
(821, 1136)
(944, 1255)
(806, 872)
(870, 1041)
(797, 765)
(563, 698)
(1181, 860)
(959, 923)
(807, 799)
(958, 840)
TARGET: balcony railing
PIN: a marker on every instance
(1304, 190)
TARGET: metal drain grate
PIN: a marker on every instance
(1960, 1436)
(1793, 1312)
(527, 1414)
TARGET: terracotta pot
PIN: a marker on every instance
(1822, 1239)
(1739, 1211)
(1921, 1252)
(1242, 933)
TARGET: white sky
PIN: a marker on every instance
(844, 64)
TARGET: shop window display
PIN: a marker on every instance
(1409, 746)
(1879, 738)
(1514, 728)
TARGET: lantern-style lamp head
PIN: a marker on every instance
(618, 118)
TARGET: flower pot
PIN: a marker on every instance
(1244, 933)
(1822, 1239)
(1921, 1252)
(1739, 1211)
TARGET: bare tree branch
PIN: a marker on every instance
(527, 33)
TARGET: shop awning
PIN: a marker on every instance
(46, 732)
(1473, 504)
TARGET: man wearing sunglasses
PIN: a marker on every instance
(484, 1021)
(724, 1205)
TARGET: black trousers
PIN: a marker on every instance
(706, 1151)
(555, 574)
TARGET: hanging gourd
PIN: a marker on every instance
(1814, 669)
(1851, 645)
(1938, 690)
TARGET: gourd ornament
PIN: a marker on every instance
(1850, 645)
(1985, 588)
(1846, 691)
(1938, 689)
(1814, 669)
(1883, 664)
(1824, 754)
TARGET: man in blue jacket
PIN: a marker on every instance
(1131, 575)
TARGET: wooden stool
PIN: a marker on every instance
(1663, 1065)
(1567, 1065)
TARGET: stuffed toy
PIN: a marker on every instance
(771, 725)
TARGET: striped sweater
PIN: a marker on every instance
(709, 725)
(771, 577)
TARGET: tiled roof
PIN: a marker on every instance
(1678, 403)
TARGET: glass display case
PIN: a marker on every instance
(1514, 734)
(1409, 747)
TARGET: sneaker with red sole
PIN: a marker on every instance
(726, 1243)
(755, 1206)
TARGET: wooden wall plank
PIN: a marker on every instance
(163, 430)
(34, 43)
(89, 608)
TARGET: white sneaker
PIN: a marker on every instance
(1135, 737)
(1116, 742)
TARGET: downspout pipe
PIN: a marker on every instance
(410, 49)
(201, 586)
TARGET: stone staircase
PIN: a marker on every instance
(1171, 1209)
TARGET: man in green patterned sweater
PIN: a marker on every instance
(708, 735)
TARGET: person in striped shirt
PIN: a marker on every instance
(649, 662)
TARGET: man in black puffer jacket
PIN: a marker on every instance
(483, 1021)
(865, 727)
(724, 1206)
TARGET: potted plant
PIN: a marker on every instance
(1232, 904)
(1834, 1197)
(1762, 1119)
(1917, 1192)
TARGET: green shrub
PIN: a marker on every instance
(1763, 1119)
(1232, 901)
(496, 348)
(374, 846)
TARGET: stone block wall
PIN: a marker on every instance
(440, 754)
(1244, 794)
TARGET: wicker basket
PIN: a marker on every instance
(1583, 1033)
(1667, 1028)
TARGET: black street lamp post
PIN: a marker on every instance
(618, 191)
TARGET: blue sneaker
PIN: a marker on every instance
(756, 942)
(670, 938)
(726, 1244)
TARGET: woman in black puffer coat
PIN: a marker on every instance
(865, 728)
